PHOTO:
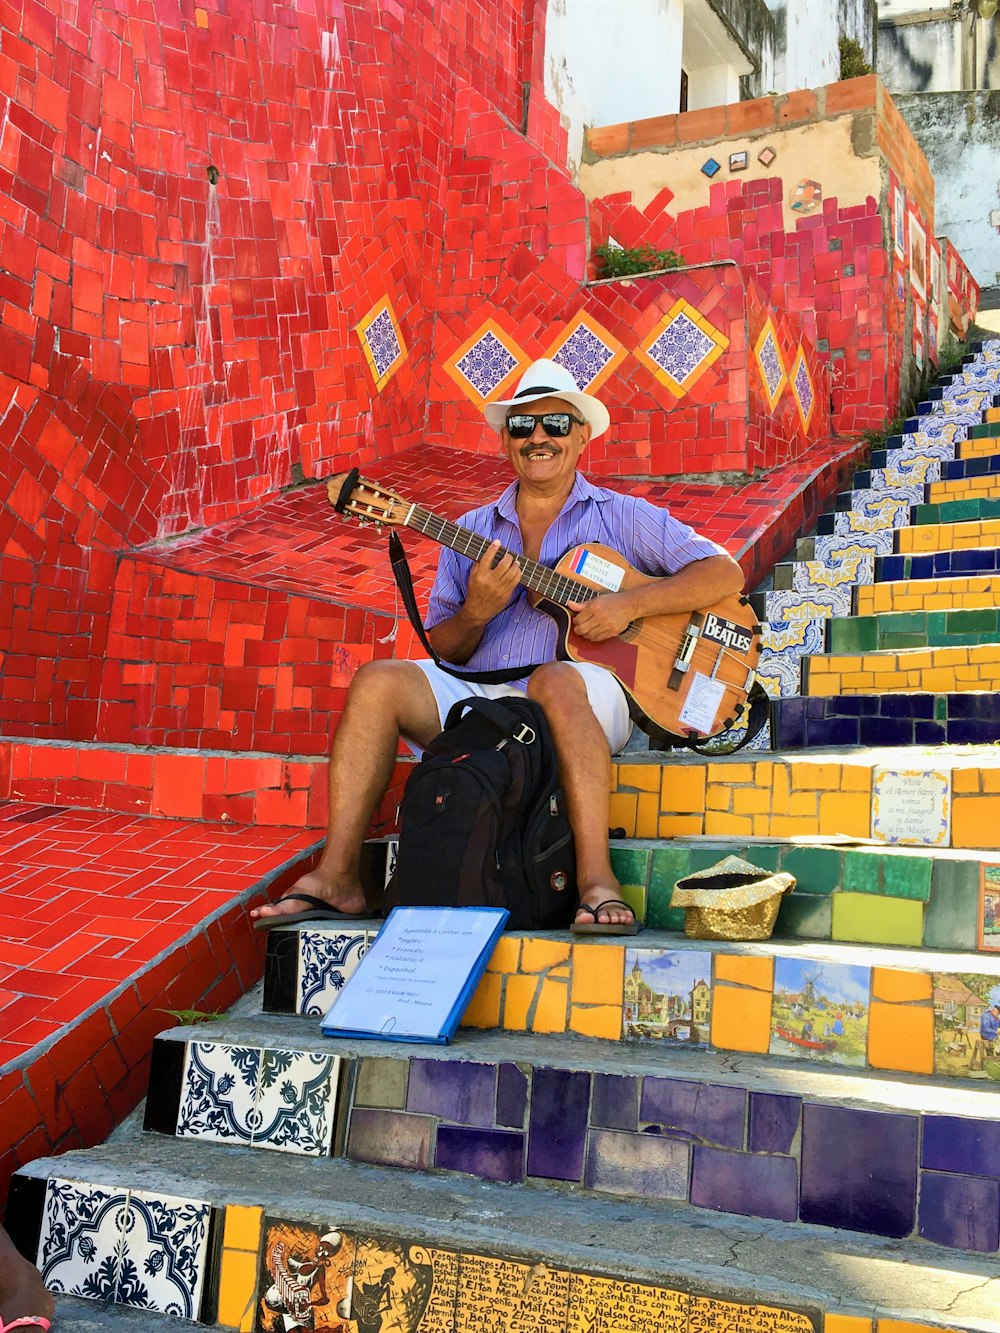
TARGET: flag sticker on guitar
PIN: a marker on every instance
(702, 703)
(597, 570)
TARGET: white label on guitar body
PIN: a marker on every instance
(597, 570)
(702, 703)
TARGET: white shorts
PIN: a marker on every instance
(606, 696)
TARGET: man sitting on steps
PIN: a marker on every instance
(481, 618)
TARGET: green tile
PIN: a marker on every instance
(635, 896)
(659, 916)
(630, 864)
(803, 917)
(970, 622)
(853, 634)
(907, 876)
(765, 855)
(817, 870)
(864, 918)
(382, 1083)
(952, 920)
(669, 865)
(862, 872)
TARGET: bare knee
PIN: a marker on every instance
(391, 690)
(559, 691)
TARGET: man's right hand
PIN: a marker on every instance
(492, 583)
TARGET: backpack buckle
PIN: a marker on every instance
(524, 734)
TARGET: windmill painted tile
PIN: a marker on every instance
(681, 347)
(326, 959)
(911, 807)
(588, 351)
(80, 1244)
(219, 1086)
(966, 1007)
(296, 1101)
(668, 995)
(820, 1011)
(485, 362)
(164, 1253)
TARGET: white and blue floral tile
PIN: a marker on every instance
(816, 604)
(889, 514)
(783, 646)
(938, 428)
(326, 959)
(982, 374)
(906, 472)
(296, 1102)
(959, 400)
(848, 569)
(830, 549)
(941, 450)
(128, 1247)
(588, 351)
(871, 501)
(218, 1092)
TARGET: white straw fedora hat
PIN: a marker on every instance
(547, 379)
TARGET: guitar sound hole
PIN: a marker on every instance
(630, 631)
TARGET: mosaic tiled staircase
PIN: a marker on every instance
(657, 1133)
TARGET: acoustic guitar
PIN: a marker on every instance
(686, 674)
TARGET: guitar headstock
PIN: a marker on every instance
(354, 497)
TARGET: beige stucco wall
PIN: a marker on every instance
(822, 152)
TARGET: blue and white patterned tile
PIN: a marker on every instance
(890, 514)
(871, 501)
(164, 1254)
(726, 740)
(905, 472)
(943, 451)
(817, 604)
(218, 1091)
(983, 374)
(831, 548)
(296, 1102)
(769, 360)
(802, 388)
(486, 364)
(326, 959)
(850, 568)
(941, 428)
(585, 355)
(80, 1244)
(961, 401)
(783, 646)
(681, 348)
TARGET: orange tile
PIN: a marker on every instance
(901, 1037)
(741, 1019)
(896, 986)
(745, 971)
(598, 974)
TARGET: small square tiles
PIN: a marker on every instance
(485, 362)
(766, 156)
(738, 161)
(588, 351)
(681, 347)
(710, 168)
(296, 1101)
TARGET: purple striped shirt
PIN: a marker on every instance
(647, 536)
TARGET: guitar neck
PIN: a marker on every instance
(539, 578)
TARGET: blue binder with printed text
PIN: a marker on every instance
(416, 979)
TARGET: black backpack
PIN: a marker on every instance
(482, 820)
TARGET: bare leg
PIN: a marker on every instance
(22, 1292)
(386, 700)
(585, 773)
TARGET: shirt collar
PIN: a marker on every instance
(582, 491)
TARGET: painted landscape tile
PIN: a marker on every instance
(967, 1025)
(820, 1011)
(668, 995)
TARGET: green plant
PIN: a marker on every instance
(852, 59)
(189, 1017)
(618, 262)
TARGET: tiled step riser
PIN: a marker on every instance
(878, 719)
(718, 1146)
(930, 670)
(792, 796)
(292, 1267)
(957, 593)
(855, 568)
(927, 537)
(918, 629)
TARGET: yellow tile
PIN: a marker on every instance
(804, 803)
(552, 1010)
(965, 780)
(680, 826)
(855, 777)
(518, 998)
(787, 826)
(644, 777)
(749, 971)
(719, 797)
(901, 1037)
(990, 779)
(731, 773)
(237, 1288)
(598, 974)
(750, 801)
(622, 812)
(974, 821)
(846, 1323)
(845, 812)
(601, 1021)
(898, 987)
(201, 18)
(635, 896)
(506, 956)
(484, 1007)
(683, 789)
(647, 814)
(904, 1326)
(560, 973)
(741, 1019)
(539, 954)
(726, 825)
(242, 1227)
(817, 776)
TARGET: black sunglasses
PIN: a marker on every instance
(557, 424)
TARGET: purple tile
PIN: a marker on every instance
(859, 1169)
(453, 1090)
(557, 1124)
(749, 1183)
(392, 1138)
(968, 1147)
(711, 1113)
(960, 1211)
(490, 1154)
(648, 1166)
(512, 1096)
(774, 1122)
(616, 1102)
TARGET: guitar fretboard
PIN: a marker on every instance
(558, 588)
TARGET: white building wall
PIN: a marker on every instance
(713, 85)
(811, 56)
(922, 57)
